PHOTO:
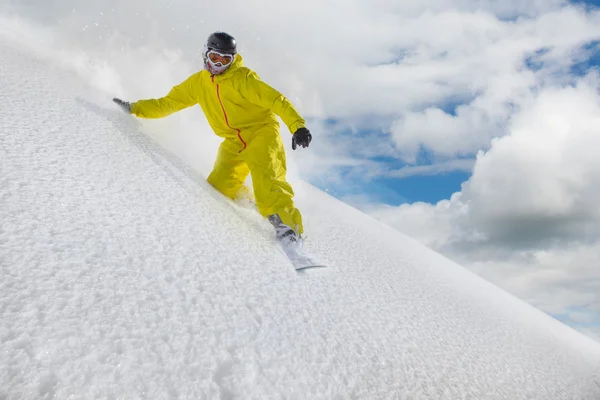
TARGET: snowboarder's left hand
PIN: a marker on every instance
(125, 105)
(301, 137)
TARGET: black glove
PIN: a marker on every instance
(301, 137)
(125, 105)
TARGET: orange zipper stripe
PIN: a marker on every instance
(227, 119)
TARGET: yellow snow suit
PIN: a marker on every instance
(242, 109)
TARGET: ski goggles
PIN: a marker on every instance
(219, 59)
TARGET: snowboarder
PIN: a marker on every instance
(242, 109)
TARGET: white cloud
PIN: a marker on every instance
(478, 55)
(547, 168)
(443, 134)
(432, 225)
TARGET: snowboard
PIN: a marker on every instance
(298, 257)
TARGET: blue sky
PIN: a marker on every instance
(427, 188)
(588, 2)
(396, 191)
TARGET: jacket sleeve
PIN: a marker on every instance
(180, 97)
(259, 93)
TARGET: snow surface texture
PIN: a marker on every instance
(125, 275)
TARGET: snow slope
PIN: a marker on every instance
(125, 275)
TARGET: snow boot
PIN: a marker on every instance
(282, 231)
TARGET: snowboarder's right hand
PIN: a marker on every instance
(125, 105)
(301, 137)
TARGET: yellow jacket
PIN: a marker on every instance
(234, 102)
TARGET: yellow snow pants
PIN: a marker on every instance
(261, 153)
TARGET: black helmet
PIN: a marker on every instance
(222, 42)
